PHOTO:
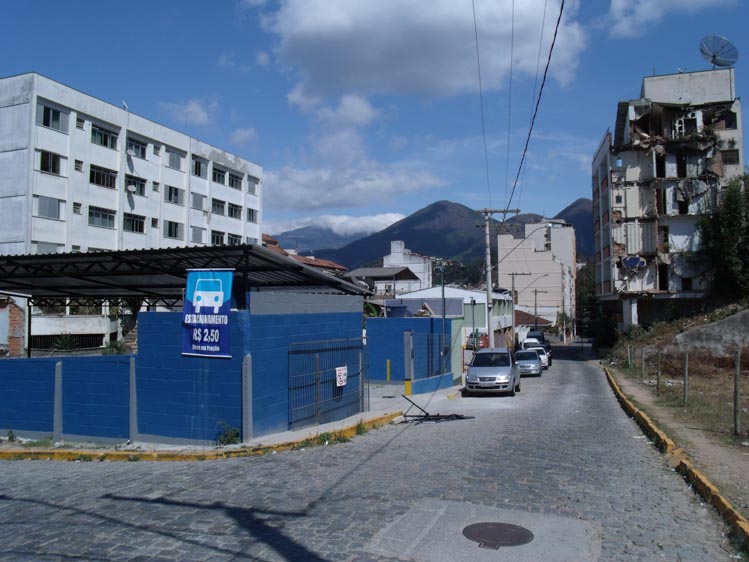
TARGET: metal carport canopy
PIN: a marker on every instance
(158, 275)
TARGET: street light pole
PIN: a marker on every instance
(489, 290)
(443, 347)
(473, 324)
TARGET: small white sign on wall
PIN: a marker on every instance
(341, 375)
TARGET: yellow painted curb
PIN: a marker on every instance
(85, 456)
(678, 459)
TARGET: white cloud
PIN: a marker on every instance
(421, 46)
(241, 137)
(340, 224)
(342, 147)
(196, 111)
(329, 188)
(262, 58)
(630, 18)
(226, 60)
(352, 110)
(249, 4)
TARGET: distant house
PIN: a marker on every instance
(420, 265)
(326, 266)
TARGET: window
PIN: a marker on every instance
(252, 215)
(49, 162)
(133, 223)
(103, 137)
(174, 195)
(46, 247)
(47, 116)
(48, 207)
(199, 168)
(102, 176)
(219, 176)
(77, 208)
(103, 218)
(174, 230)
(137, 147)
(154, 223)
(730, 157)
(198, 201)
(217, 238)
(156, 186)
(197, 234)
(175, 160)
(218, 207)
(79, 165)
(234, 240)
(138, 185)
(75, 248)
(235, 181)
(250, 240)
(79, 122)
(235, 211)
(252, 185)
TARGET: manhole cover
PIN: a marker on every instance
(494, 535)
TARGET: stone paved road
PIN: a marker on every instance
(559, 459)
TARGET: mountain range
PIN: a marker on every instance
(443, 229)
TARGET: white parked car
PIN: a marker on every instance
(542, 355)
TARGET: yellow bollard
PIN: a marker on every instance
(408, 388)
(388, 369)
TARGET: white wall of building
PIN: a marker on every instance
(420, 265)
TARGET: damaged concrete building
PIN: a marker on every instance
(672, 152)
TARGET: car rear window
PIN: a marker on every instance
(491, 360)
(525, 355)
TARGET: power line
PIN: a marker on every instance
(538, 102)
(509, 101)
(481, 101)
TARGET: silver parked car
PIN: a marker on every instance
(492, 370)
(529, 363)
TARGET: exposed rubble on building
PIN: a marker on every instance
(663, 168)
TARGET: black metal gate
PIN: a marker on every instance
(326, 381)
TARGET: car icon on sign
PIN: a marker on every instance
(208, 293)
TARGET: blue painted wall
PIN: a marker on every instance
(27, 388)
(96, 396)
(385, 341)
(268, 340)
(186, 397)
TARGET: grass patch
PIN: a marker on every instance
(323, 438)
(361, 429)
(38, 443)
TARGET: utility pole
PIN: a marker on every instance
(489, 289)
(535, 306)
(513, 306)
(443, 345)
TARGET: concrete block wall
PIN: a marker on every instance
(268, 341)
(186, 398)
(27, 394)
(96, 397)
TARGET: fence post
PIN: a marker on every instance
(658, 372)
(133, 426)
(408, 362)
(642, 361)
(686, 379)
(629, 357)
(361, 381)
(57, 405)
(737, 396)
(246, 398)
(317, 388)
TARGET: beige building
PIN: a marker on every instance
(672, 151)
(539, 262)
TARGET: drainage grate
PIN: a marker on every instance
(494, 535)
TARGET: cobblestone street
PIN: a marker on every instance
(560, 459)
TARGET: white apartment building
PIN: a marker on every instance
(78, 174)
(672, 151)
(540, 263)
(400, 256)
(81, 174)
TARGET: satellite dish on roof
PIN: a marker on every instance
(718, 51)
(131, 188)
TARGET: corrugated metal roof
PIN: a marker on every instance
(158, 274)
(383, 273)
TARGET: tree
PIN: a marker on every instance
(725, 238)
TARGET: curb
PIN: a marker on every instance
(681, 463)
(85, 456)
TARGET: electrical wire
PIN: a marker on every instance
(509, 106)
(538, 103)
(481, 101)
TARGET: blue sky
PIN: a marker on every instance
(364, 111)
